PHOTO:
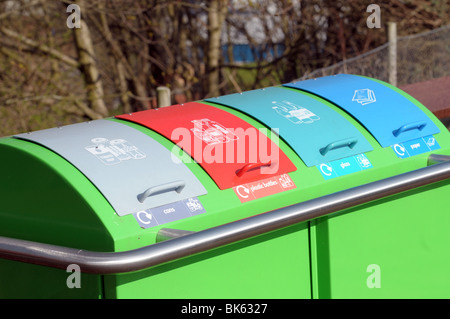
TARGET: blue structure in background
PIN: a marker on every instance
(244, 53)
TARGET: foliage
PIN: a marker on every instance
(52, 75)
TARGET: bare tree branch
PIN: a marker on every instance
(41, 47)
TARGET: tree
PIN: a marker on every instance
(88, 66)
(216, 16)
(52, 75)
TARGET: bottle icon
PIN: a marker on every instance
(114, 151)
(294, 113)
(211, 132)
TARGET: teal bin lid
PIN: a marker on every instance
(132, 171)
(389, 116)
(316, 132)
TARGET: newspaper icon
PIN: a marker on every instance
(364, 96)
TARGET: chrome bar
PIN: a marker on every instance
(197, 242)
(170, 233)
(436, 159)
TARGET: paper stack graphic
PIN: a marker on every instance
(364, 96)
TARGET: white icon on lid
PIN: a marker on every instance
(364, 96)
(294, 113)
(212, 132)
(112, 152)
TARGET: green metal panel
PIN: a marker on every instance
(45, 199)
(275, 265)
(392, 248)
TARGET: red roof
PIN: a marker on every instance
(434, 94)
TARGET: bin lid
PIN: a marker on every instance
(316, 132)
(133, 171)
(388, 115)
(229, 149)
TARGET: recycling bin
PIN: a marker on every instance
(327, 188)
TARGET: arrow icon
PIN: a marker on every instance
(327, 170)
(245, 190)
(399, 149)
(146, 218)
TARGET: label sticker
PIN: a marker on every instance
(416, 147)
(168, 213)
(263, 188)
(344, 166)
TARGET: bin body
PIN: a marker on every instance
(110, 186)
(396, 247)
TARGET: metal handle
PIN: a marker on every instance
(408, 127)
(176, 186)
(437, 159)
(251, 166)
(162, 252)
(349, 142)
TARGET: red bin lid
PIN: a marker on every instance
(229, 149)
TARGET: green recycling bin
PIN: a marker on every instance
(327, 188)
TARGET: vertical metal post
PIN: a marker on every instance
(392, 38)
(163, 94)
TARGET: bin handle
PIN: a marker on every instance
(349, 142)
(176, 186)
(251, 166)
(187, 244)
(408, 127)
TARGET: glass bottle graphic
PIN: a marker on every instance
(294, 113)
(283, 110)
(302, 113)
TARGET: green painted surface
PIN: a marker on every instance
(275, 265)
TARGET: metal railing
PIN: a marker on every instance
(178, 244)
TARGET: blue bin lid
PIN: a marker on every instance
(388, 115)
(316, 132)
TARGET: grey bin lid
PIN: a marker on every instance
(132, 171)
